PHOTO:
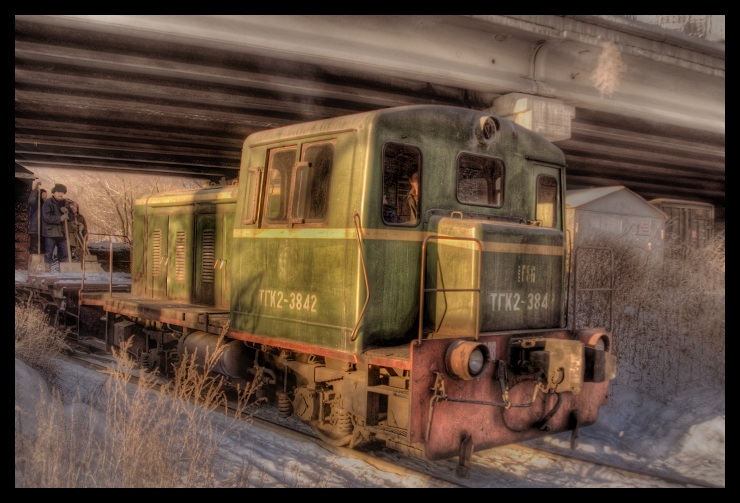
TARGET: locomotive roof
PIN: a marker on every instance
(440, 113)
(348, 122)
(209, 193)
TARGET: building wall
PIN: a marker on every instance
(22, 191)
(638, 231)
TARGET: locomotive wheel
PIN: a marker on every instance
(333, 438)
(339, 434)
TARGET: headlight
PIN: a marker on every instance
(467, 360)
(486, 130)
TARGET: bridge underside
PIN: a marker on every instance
(177, 95)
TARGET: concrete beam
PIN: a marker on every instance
(663, 78)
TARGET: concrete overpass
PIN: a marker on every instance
(178, 94)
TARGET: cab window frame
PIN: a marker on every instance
(487, 188)
(399, 162)
(541, 211)
(297, 190)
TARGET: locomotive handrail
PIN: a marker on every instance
(110, 259)
(422, 276)
(569, 251)
(364, 273)
(84, 260)
(608, 289)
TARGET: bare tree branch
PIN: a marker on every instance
(107, 200)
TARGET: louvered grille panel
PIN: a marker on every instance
(209, 255)
(157, 253)
(180, 256)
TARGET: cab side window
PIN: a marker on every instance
(297, 190)
(311, 196)
(402, 175)
(278, 184)
(547, 201)
(480, 180)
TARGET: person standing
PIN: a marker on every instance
(55, 214)
(35, 200)
(77, 231)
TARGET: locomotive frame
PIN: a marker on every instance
(438, 335)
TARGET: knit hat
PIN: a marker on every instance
(59, 188)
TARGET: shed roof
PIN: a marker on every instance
(598, 199)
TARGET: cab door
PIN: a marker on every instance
(157, 260)
(205, 260)
(180, 258)
(213, 240)
(224, 235)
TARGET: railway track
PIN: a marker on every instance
(519, 465)
(512, 466)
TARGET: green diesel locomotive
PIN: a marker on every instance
(396, 275)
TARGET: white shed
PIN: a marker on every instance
(593, 215)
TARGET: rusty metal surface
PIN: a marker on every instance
(487, 425)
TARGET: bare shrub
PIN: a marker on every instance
(107, 199)
(668, 314)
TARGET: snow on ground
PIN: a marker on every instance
(685, 438)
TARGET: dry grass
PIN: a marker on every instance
(37, 342)
(122, 433)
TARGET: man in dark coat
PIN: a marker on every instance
(54, 217)
(35, 200)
